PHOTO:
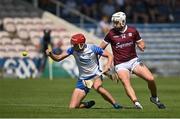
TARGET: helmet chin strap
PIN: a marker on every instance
(120, 28)
(81, 46)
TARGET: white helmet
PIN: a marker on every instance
(119, 17)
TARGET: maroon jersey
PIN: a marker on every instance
(123, 44)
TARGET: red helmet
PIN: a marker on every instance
(78, 39)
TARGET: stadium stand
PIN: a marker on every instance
(163, 49)
(141, 11)
(21, 26)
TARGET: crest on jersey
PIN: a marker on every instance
(129, 34)
(123, 35)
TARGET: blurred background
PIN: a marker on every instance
(33, 25)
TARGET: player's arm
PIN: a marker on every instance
(141, 44)
(55, 57)
(139, 41)
(103, 45)
(110, 60)
(105, 42)
(103, 53)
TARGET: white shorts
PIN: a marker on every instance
(129, 65)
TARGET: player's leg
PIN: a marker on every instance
(124, 76)
(142, 71)
(77, 96)
(76, 100)
(104, 93)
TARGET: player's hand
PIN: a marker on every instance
(48, 52)
(141, 45)
(111, 74)
(142, 48)
(107, 68)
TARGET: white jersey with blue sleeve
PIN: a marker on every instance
(87, 61)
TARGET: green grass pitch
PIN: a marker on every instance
(44, 98)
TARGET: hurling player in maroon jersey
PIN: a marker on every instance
(123, 40)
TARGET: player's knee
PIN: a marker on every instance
(151, 78)
(72, 107)
(126, 83)
(96, 87)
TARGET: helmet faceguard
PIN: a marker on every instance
(78, 42)
(78, 47)
(119, 20)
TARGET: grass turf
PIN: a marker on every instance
(44, 98)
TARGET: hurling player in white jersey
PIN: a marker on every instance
(86, 56)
